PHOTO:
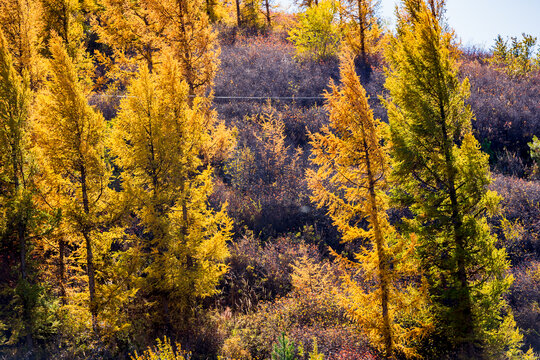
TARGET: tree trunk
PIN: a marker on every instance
(364, 64)
(21, 237)
(238, 18)
(62, 270)
(89, 253)
(27, 317)
(463, 310)
(383, 262)
(268, 19)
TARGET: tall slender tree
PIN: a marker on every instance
(362, 31)
(351, 183)
(20, 21)
(22, 221)
(442, 177)
(69, 137)
(16, 206)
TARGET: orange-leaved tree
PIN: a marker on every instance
(351, 182)
(362, 31)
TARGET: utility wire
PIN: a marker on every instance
(269, 97)
(292, 98)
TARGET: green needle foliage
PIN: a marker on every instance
(284, 349)
(442, 177)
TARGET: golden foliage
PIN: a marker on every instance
(164, 350)
(69, 139)
(350, 181)
(157, 139)
(20, 21)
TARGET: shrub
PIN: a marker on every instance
(505, 109)
(509, 163)
(521, 208)
(316, 36)
(284, 349)
(525, 301)
(308, 313)
(163, 350)
(261, 272)
(534, 147)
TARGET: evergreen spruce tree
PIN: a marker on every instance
(442, 177)
(351, 182)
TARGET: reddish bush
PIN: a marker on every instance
(521, 206)
(524, 298)
(261, 272)
(507, 110)
(354, 354)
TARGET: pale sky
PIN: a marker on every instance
(478, 22)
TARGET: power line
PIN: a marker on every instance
(290, 98)
(270, 97)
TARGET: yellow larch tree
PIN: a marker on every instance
(157, 140)
(20, 20)
(350, 181)
(190, 40)
(63, 18)
(69, 138)
(133, 35)
(362, 30)
(17, 210)
(182, 28)
(159, 30)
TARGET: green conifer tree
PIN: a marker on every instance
(442, 177)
